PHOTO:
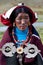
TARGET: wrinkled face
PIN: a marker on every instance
(22, 21)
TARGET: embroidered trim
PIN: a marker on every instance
(36, 36)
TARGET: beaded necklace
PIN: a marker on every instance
(27, 39)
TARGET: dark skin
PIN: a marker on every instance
(22, 21)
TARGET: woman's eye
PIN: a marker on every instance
(26, 17)
(20, 18)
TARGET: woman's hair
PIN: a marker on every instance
(19, 10)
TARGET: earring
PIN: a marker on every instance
(29, 23)
(13, 24)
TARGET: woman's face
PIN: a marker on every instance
(22, 21)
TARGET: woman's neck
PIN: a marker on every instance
(21, 32)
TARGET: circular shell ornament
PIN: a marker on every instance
(8, 49)
(31, 51)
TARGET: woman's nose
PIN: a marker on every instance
(22, 21)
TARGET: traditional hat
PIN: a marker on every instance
(11, 14)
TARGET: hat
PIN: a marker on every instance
(11, 14)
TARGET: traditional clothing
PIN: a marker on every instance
(31, 35)
(35, 39)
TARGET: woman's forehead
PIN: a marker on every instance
(22, 15)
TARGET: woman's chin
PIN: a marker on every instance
(22, 28)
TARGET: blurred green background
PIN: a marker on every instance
(35, 5)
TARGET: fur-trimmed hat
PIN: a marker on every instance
(9, 17)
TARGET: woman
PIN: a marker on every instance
(20, 32)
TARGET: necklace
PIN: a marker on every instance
(18, 41)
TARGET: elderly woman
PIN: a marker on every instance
(20, 31)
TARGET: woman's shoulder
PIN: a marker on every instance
(6, 33)
(6, 37)
(34, 31)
